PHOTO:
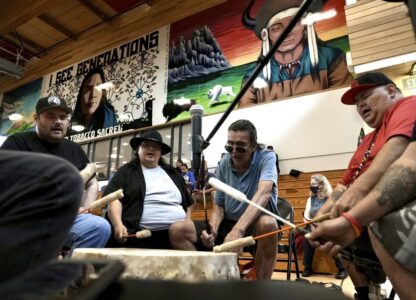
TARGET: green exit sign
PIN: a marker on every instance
(409, 83)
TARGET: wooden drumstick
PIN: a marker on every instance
(250, 240)
(236, 244)
(88, 172)
(236, 194)
(142, 234)
(208, 226)
(299, 227)
(104, 201)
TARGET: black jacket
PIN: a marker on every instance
(130, 178)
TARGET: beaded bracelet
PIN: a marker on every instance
(358, 228)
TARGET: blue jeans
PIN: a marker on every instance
(88, 231)
(39, 198)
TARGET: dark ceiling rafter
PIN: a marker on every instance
(15, 13)
(146, 3)
(40, 51)
(16, 46)
(95, 10)
(51, 22)
(27, 41)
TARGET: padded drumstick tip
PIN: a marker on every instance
(240, 243)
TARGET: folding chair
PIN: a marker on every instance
(286, 212)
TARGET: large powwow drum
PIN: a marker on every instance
(168, 264)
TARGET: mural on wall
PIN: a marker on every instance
(213, 52)
(17, 108)
(116, 90)
(202, 59)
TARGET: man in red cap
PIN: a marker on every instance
(383, 107)
(390, 212)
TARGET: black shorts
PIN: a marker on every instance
(362, 255)
(223, 230)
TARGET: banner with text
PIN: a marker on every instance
(119, 89)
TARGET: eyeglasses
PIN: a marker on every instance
(239, 149)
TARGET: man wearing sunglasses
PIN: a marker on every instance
(251, 170)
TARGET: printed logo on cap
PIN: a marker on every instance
(54, 101)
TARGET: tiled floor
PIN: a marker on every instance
(346, 284)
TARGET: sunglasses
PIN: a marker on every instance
(240, 149)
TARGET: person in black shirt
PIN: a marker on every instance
(155, 196)
(39, 199)
(51, 119)
(270, 148)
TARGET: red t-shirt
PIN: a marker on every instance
(398, 120)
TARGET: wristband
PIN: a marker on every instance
(358, 228)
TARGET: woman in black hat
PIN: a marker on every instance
(155, 196)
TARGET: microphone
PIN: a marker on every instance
(196, 138)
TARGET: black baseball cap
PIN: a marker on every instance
(364, 82)
(52, 102)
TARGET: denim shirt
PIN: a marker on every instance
(262, 167)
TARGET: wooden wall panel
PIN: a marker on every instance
(378, 30)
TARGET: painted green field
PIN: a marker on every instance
(198, 89)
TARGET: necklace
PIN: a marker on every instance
(364, 159)
(288, 66)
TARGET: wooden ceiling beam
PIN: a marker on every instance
(95, 10)
(51, 22)
(14, 13)
(124, 28)
(27, 41)
(15, 44)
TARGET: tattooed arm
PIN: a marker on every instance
(389, 153)
(395, 189)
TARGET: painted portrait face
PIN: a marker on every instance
(91, 96)
(294, 38)
(52, 124)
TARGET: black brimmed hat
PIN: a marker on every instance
(150, 135)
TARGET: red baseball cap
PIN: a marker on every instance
(364, 82)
